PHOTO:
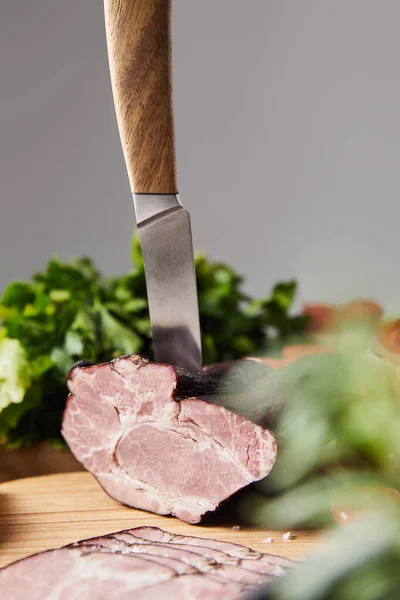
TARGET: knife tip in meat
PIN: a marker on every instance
(166, 240)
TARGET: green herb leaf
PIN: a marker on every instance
(73, 343)
(18, 295)
(117, 336)
(14, 373)
(61, 359)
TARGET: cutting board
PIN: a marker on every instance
(40, 513)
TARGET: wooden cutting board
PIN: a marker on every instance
(40, 513)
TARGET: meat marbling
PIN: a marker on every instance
(113, 568)
(220, 551)
(151, 448)
(80, 573)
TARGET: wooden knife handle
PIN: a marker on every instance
(139, 51)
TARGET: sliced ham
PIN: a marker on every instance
(159, 535)
(115, 544)
(225, 552)
(197, 558)
(111, 567)
(193, 587)
(211, 555)
(193, 560)
(80, 573)
(147, 434)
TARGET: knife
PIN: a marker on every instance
(139, 50)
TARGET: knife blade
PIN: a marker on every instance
(139, 49)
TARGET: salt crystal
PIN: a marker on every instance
(288, 536)
(236, 527)
(267, 541)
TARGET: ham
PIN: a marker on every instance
(80, 573)
(124, 565)
(195, 558)
(150, 437)
(226, 552)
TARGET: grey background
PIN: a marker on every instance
(288, 140)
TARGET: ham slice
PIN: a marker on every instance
(123, 565)
(82, 573)
(226, 552)
(132, 425)
(194, 559)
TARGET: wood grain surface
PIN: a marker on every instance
(40, 513)
(139, 51)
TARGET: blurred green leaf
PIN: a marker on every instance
(18, 295)
(61, 359)
(284, 293)
(73, 343)
(59, 295)
(14, 373)
(117, 336)
(136, 251)
(339, 444)
(359, 563)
